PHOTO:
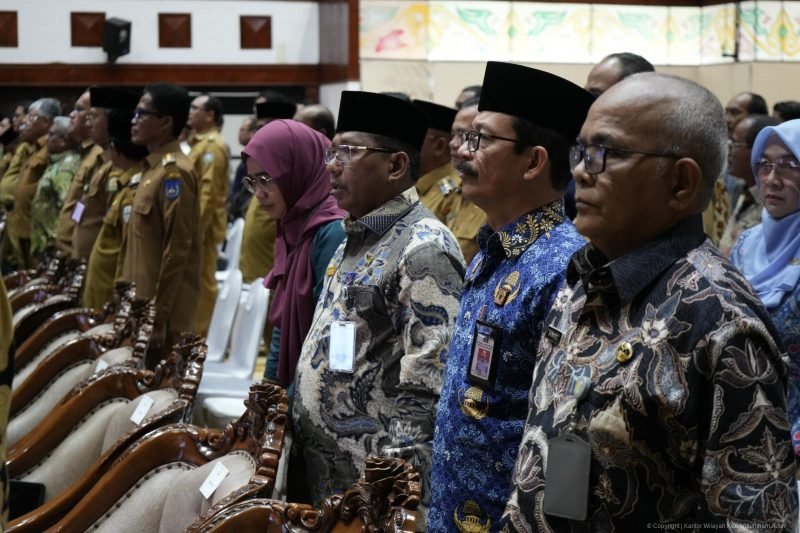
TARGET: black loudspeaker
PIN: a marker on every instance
(116, 38)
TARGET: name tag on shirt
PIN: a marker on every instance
(342, 346)
(483, 362)
(566, 489)
(77, 213)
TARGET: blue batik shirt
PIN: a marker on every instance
(511, 283)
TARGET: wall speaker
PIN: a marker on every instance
(116, 38)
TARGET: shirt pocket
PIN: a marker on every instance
(141, 209)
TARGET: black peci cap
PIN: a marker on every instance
(275, 110)
(119, 124)
(382, 115)
(113, 98)
(442, 117)
(539, 97)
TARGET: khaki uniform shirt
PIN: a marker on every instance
(464, 220)
(163, 238)
(431, 193)
(258, 243)
(105, 261)
(92, 157)
(9, 181)
(5, 161)
(210, 158)
(95, 198)
(19, 220)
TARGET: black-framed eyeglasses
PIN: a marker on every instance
(473, 139)
(594, 155)
(140, 112)
(257, 181)
(783, 168)
(344, 152)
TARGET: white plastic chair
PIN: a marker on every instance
(219, 330)
(232, 377)
(232, 250)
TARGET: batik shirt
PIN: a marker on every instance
(49, 198)
(512, 282)
(786, 317)
(682, 397)
(397, 277)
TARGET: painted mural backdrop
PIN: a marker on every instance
(576, 33)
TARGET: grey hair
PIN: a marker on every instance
(61, 125)
(47, 107)
(696, 126)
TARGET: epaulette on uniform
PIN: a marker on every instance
(168, 159)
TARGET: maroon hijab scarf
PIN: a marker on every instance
(293, 154)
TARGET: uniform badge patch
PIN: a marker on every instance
(113, 185)
(172, 189)
(126, 213)
(208, 157)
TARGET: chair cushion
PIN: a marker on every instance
(23, 312)
(33, 413)
(121, 422)
(140, 509)
(117, 356)
(49, 348)
(219, 411)
(185, 503)
(100, 329)
(82, 447)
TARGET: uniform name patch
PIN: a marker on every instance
(172, 188)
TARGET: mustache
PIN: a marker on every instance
(465, 169)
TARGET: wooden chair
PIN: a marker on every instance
(155, 482)
(385, 500)
(37, 302)
(70, 324)
(71, 449)
(38, 391)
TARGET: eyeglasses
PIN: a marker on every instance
(473, 139)
(784, 168)
(139, 112)
(34, 118)
(261, 180)
(344, 152)
(594, 156)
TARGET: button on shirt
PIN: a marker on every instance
(479, 428)
(397, 277)
(686, 408)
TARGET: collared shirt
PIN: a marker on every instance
(716, 214)
(92, 157)
(465, 219)
(478, 428)
(686, 405)
(258, 242)
(163, 238)
(210, 158)
(746, 214)
(9, 180)
(107, 257)
(786, 317)
(98, 190)
(397, 278)
(49, 197)
(18, 224)
(432, 195)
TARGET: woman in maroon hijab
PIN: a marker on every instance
(286, 173)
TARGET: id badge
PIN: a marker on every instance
(485, 347)
(77, 213)
(566, 489)
(342, 346)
